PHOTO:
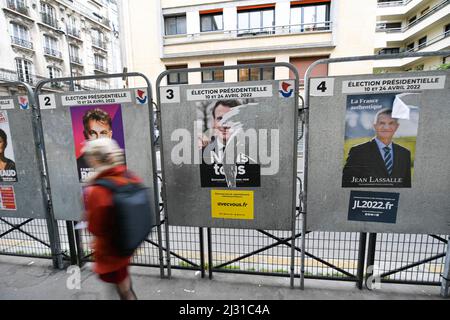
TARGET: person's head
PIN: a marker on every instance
(103, 152)
(385, 126)
(3, 141)
(220, 108)
(97, 124)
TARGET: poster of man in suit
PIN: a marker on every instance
(380, 140)
(223, 165)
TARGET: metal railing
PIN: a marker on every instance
(18, 6)
(419, 47)
(83, 9)
(53, 52)
(76, 60)
(381, 27)
(22, 42)
(394, 3)
(99, 43)
(261, 31)
(99, 67)
(73, 32)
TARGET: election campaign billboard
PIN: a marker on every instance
(229, 154)
(70, 119)
(21, 191)
(377, 151)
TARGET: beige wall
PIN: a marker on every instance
(354, 32)
(142, 30)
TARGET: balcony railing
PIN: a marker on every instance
(73, 32)
(18, 6)
(418, 48)
(76, 60)
(49, 20)
(21, 42)
(393, 3)
(430, 42)
(53, 52)
(254, 32)
(100, 67)
(99, 43)
(382, 26)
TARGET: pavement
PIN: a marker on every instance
(35, 279)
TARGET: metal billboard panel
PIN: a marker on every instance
(21, 191)
(419, 206)
(194, 191)
(62, 124)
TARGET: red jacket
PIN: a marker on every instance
(99, 204)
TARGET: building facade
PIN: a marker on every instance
(59, 38)
(167, 34)
(412, 26)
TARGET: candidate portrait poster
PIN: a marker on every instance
(8, 172)
(227, 157)
(94, 122)
(380, 140)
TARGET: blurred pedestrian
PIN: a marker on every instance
(107, 159)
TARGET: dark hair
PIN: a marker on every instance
(226, 103)
(3, 136)
(96, 115)
(385, 111)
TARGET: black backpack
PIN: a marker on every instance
(134, 215)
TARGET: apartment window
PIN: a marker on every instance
(18, 5)
(422, 42)
(447, 30)
(310, 17)
(98, 38)
(211, 21)
(48, 14)
(72, 27)
(101, 84)
(20, 35)
(175, 25)
(177, 78)
(424, 11)
(51, 46)
(393, 25)
(24, 70)
(410, 47)
(412, 20)
(74, 54)
(213, 75)
(53, 73)
(389, 51)
(253, 21)
(100, 63)
(255, 74)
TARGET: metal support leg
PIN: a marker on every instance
(202, 253)
(79, 246)
(210, 260)
(160, 250)
(445, 286)
(302, 267)
(72, 246)
(361, 259)
(371, 256)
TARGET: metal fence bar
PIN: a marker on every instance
(446, 274)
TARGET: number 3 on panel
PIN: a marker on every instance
(170, 94)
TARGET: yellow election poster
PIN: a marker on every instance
(232, 204)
